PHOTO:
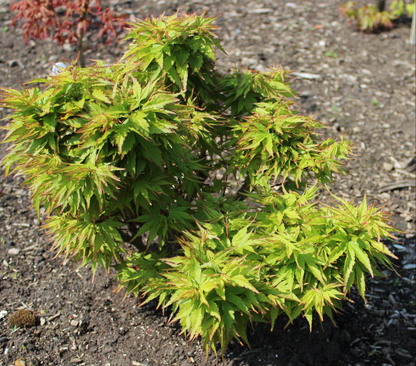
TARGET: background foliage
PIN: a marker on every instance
(375, 17)
(66, 21)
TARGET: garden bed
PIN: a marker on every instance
(361, 86)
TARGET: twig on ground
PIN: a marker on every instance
(397, 185)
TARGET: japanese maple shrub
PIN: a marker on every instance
(137, 164)
(377, 17)
(66, 20)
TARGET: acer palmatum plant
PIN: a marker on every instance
(134, 163)
(66, 20)
(368, 17)
(402, 8)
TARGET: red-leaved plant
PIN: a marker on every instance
(66, 20)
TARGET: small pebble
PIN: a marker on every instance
(388, 167)
(67, 47)
(291, 5)
(20, 362)
(74, 323)
(58, 67)
(13, 63)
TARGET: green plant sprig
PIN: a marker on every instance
(371, 17)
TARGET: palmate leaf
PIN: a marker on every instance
(159, 101)
(99, 95)
(348, 266)
(337, 252)
(121, 132)
(361, 256)
(228, 317)
(140, 122)
(360, 281)
(149, 187)
(241, 281)
(196, 319)
(152, 152)
(316, 298)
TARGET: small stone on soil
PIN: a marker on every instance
(388, 167)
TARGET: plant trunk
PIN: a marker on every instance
(84, 14)
(381, 5)
(81, 49)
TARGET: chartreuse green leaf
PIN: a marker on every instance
(360, 278)
(348, 266)
(361, 255)
(99, 95)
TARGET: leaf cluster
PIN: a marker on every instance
(66, 21)
(369, 17)
(289, 258)
(400, 8)
(196, 185)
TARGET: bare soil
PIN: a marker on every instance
(364, 89)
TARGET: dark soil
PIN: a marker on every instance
(365, 91)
